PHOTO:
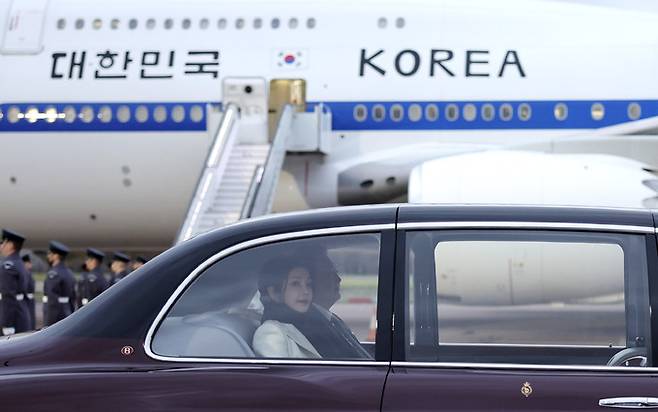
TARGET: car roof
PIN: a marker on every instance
(410, 213)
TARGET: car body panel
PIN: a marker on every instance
(96, 357)
(415, 386)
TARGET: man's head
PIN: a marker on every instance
(12, 242)
(138, 263)
(94, 258)
(119, 262)
(326, 282)
(57, 252)
(27, 261)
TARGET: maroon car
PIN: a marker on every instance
(394, 307)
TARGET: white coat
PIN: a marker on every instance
(274, 339)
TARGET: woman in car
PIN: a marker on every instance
(287, 326)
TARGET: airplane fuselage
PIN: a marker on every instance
(103, 111)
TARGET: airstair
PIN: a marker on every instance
(240, 173)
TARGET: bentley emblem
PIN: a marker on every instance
(127, 350)
(526, 389)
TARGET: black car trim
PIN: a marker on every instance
(527, 225)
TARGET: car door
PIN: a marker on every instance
(556, 317)
(222, 355)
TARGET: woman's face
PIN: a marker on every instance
(298, 291)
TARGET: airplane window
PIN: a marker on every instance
(382, 23)
(132, 24)
(160, 114)
(560, 111)
(123, 114)
(525, 112)
(506, 112)
(61, 24)
(186, 24)
(168, 24)
(598, 111)
(114, 24)
(275, 23)
(203, 24)
(431, 112)
(634, 111)
(69, 114)
(51, 114)
(399, 22)
(239, 23)
(310, 23)
(452, 112)
(196, 113)
(14, 114)
(258, 23)
(178, 113)
(397, 112)
(221, 24)
(87, 114)
(105, 114)
(488, 112)
(32, 114)
(97, 24)
(378, 112)
(292, 23)
(150, 24)
(142, 114)
(470, 112)
(415, 112)
(79, 24)
(360, 113)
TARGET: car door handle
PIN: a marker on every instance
(630, 402)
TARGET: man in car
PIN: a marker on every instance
(13, 285)
(59, 286)
(326, 292)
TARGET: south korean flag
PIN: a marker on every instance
(291, 59)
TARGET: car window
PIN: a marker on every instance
(312, 298)
(527, 297)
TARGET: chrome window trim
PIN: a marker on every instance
(343, 230)
(525, 367)
(526, 225)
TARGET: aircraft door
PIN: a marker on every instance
(283, 92)
(250, 95)
(24, 27)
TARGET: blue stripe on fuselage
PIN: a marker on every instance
(542, 115)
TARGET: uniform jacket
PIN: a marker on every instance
(13, 288)
(91, 285)
(59, 289)
(274, 339)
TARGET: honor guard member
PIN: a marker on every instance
(93, 283)
(29, 297)
(118, 267)
(59, 287)
(138, 262)
(13, 285)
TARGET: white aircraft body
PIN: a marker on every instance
(104, 128)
